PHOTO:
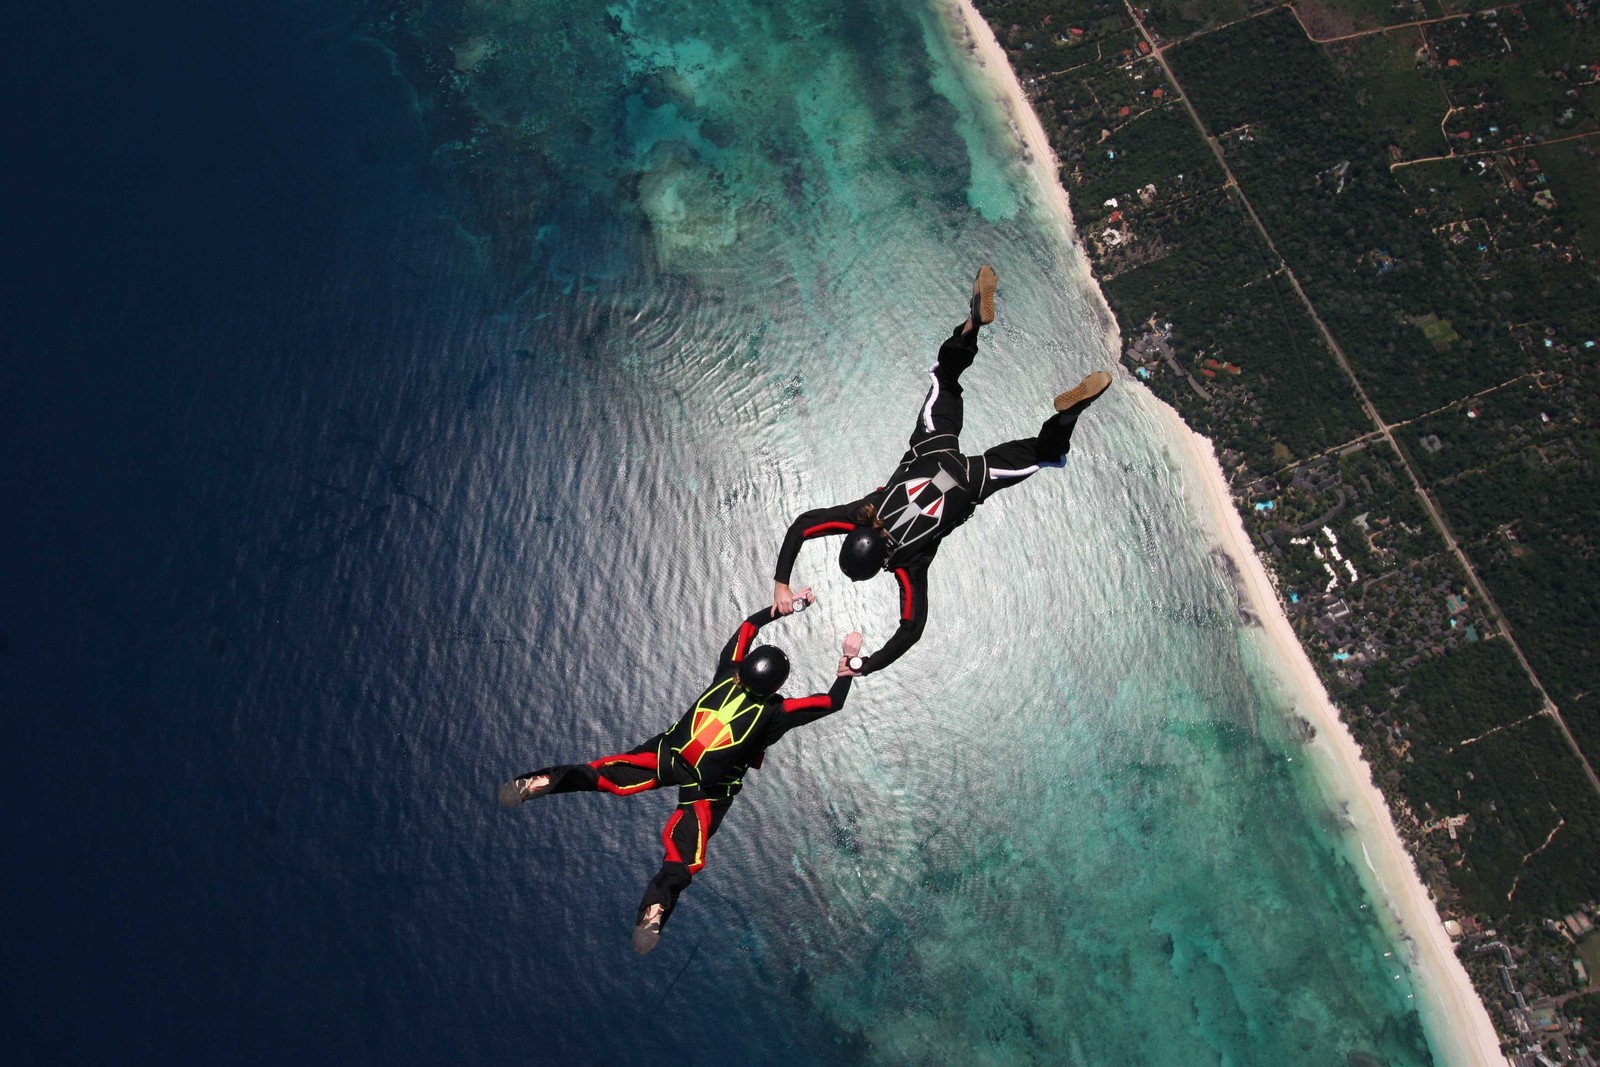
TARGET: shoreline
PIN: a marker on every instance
(1461, 1030)
(1457, 1023)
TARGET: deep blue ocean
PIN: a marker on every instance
(399, 398)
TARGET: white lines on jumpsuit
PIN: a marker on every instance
(1013, 474)
(927, 409)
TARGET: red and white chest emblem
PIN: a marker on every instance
(915, 507)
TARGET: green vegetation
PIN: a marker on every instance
(1172, 244)
(1180, 18)
(1440, 334)
(1401, 91)
(1434, 189)
(1319, 178)
(1573, 170)
(1153, 149)
(1589, 953)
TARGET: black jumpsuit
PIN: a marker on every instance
(934, 490)
(705, 754)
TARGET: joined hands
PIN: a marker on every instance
(783, 602)
(783, 598)
(852, 648)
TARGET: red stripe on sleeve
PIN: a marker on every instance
(905, 592)
(828, 527)
(811, 703)
(746, 632)
(668, 846)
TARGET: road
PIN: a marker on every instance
(1379, 425)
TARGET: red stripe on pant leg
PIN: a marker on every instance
(702, 818)
(632, 759)
(642, 760)
(905, 592)
(608, 786)
(666, 838)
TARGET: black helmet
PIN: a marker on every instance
(764, 670)
(863, 552)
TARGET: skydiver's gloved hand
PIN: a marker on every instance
(852, 649)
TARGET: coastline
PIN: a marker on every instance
(1456, 1020)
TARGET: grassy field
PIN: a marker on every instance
(1335, 18)
(1440, 334)
(1589, 953)
(1400, 92)
(1180, 18)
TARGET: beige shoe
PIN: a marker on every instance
(1086, 392)
(517, 790)
(647, 934)
(983, 295)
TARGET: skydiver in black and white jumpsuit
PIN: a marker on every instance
(898, 526)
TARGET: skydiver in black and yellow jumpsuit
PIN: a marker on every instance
(705, 754)
(898, 526)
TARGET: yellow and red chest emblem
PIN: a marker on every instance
(722, 717)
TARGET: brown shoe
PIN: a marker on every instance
(1074, 400)
(983, 296)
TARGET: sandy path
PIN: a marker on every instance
(1458, 1024)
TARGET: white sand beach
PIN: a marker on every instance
(1458, 1025)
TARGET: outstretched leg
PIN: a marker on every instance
(941, 412)
(627, 772)
(1009, 464)
(684, 839)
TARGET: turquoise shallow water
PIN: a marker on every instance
(1068, 829)
(426, 423)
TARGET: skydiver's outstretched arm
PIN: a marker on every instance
(733, 652)
(797, 711)
(819, 522)
(911, 583)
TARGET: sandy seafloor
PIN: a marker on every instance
(359, 465)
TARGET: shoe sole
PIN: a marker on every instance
(1085, 391)
(983, 289)
(511, 793)
(645, 939)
